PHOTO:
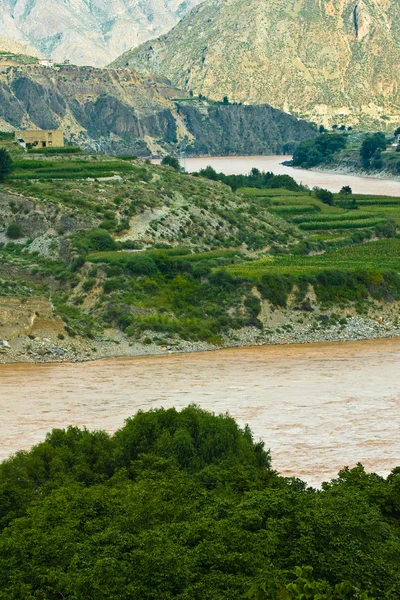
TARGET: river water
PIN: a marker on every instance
(242, 165)
(318, 407)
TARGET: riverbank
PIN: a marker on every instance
(282, 327)
(349, 170)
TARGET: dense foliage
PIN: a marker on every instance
(256, 179)
(371, 150)
(171, 161)
(6, 164)
(310, 153)
(185, 506)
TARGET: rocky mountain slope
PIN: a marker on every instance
(331, 61)
(120, 111)
(86, 32)
(17, 47)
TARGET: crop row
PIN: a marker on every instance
(312, 226)
(335, 217)
(294, 209)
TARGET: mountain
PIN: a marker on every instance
(17, 47)
(119, 111)
(331, 61)
(90, 32)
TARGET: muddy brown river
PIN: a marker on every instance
(318, 407)
(235, 165)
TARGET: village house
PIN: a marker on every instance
(42, 138)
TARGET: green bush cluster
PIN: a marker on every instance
(185, 505)
(56, 150)
(14, 231)
(257, 179)
(320, 150)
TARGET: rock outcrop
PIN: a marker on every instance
(119, 111)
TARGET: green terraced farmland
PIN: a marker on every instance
(351, 219)
(378, 256)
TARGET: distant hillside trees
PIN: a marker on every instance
(371, 149)
(171, 161)
(256, 179)
(311, 153)
(6, 164)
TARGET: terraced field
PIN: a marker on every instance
(352, 214)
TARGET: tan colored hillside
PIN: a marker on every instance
(17, 47)
(329, 61)
(88, 33)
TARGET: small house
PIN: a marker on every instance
(40, 138)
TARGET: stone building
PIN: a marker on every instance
(42, 138)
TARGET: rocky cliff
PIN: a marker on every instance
(119, 111)
(90, 33)
(331, 61)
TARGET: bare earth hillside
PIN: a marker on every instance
(331, 61)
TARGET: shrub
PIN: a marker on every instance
(171, 161)
(113, 284)
(324, 195)
(55, 150)
(14, 231)
(6, 164)
(99, 239)
(387, 229)
(275, 288)
(141, 264)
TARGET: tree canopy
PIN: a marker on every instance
(6, 164)
(310, 153)
(256, 179)
(185, 505)
(171, 161)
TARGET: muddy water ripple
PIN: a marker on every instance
(318, 407)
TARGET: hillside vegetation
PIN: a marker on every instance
(132, 257)
(372, 153)
(185, 505)
(323, 61)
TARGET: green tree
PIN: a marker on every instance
(6, 164)
(171, 161)
(371, 147)
(325, 196)
(346, 190)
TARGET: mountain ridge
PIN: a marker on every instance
(326, 62)
(120, 111)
